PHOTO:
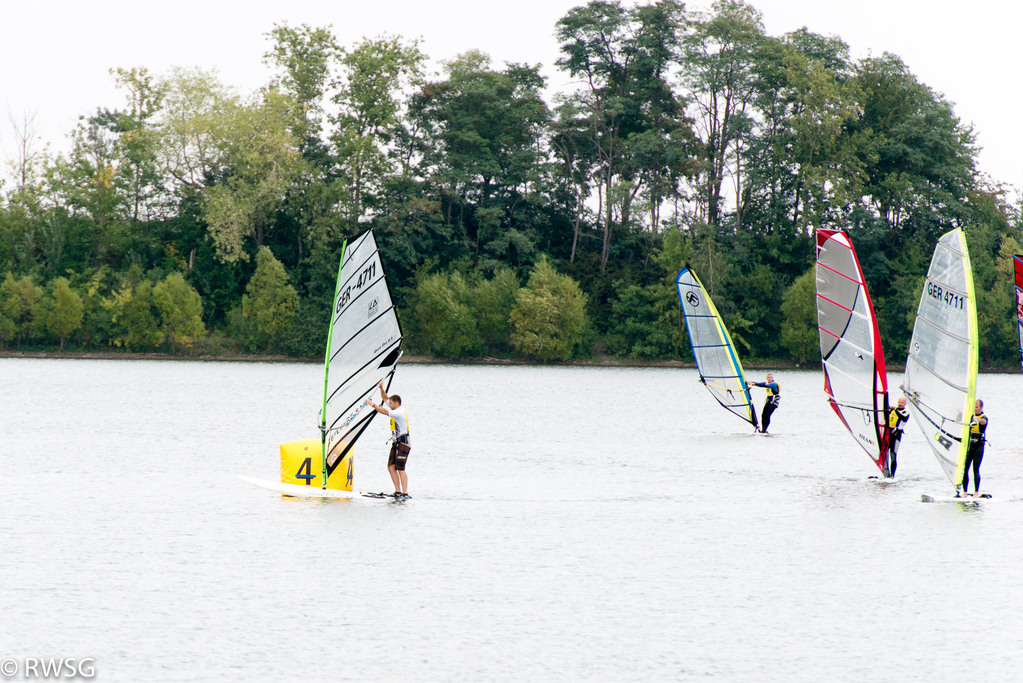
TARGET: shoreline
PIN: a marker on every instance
(429, 360)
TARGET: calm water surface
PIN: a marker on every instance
(567, 524)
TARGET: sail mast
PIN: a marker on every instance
(326, 368)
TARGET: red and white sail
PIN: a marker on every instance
(855, 379)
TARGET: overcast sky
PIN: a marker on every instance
(56, 55)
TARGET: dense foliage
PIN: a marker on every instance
(511, 222)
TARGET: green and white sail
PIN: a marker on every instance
(363, 347)
(941, 371)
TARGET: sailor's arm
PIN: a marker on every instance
(383, 394)
(379, 409)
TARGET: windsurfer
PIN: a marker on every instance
(399, 440)
(975, 454)
(896, 417)
(773, 399)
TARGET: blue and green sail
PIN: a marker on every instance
(718, 363)
(1017, 265)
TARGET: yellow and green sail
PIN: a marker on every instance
(716, 359)
(941, 371)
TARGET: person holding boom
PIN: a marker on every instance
(771, 404)
(975, 453)
(399, 440)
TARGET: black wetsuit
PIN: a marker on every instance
(975, 454)
(773, 399)
(896, 418)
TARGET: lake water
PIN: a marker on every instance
(567, 524)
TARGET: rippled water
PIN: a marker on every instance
(566, 524)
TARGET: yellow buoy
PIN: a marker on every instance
(302, 464)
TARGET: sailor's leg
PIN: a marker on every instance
(893, 453)
(966, 471)
(392, 468)
(977, 459)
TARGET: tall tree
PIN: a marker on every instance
(920, 164)
(719, 58)
(238, 158)
(624, 56)
(370, 98)
(303, 56)
(483, 133)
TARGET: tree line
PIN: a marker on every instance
(511, 222)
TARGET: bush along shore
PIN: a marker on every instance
(195, 220)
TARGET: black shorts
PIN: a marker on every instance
(399, 455)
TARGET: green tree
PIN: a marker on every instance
(134, 147)
(626, 109)
(87, 183)
(444, 317)
(719, 60)
(180, 310)
(482, 130)
(23, 305)
(829, 170)
(239, 158)
(549, 318)
(370, 111)
(799, 313)
(920, 163)
(634, 330)
(261, 159)
(269, 300)
(132, 311)
(492, 302)
(66, 314)
(303, 55)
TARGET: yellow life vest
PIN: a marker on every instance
(408, 427)
(976, 426)
(895, 417)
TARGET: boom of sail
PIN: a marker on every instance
(855, 379)
(718, 364)
(363, 347)
(941, 371)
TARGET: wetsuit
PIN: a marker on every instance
(773, 398)
(896, 418)
(975, 454)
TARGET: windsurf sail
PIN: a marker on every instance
(363, 347)
(1017, 263)
(716, 359)
(855, 379)
(941, 371)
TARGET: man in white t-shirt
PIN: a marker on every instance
(400, 446)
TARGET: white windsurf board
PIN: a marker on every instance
(298, 491)
(967, 500)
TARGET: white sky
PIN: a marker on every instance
(55, 55)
